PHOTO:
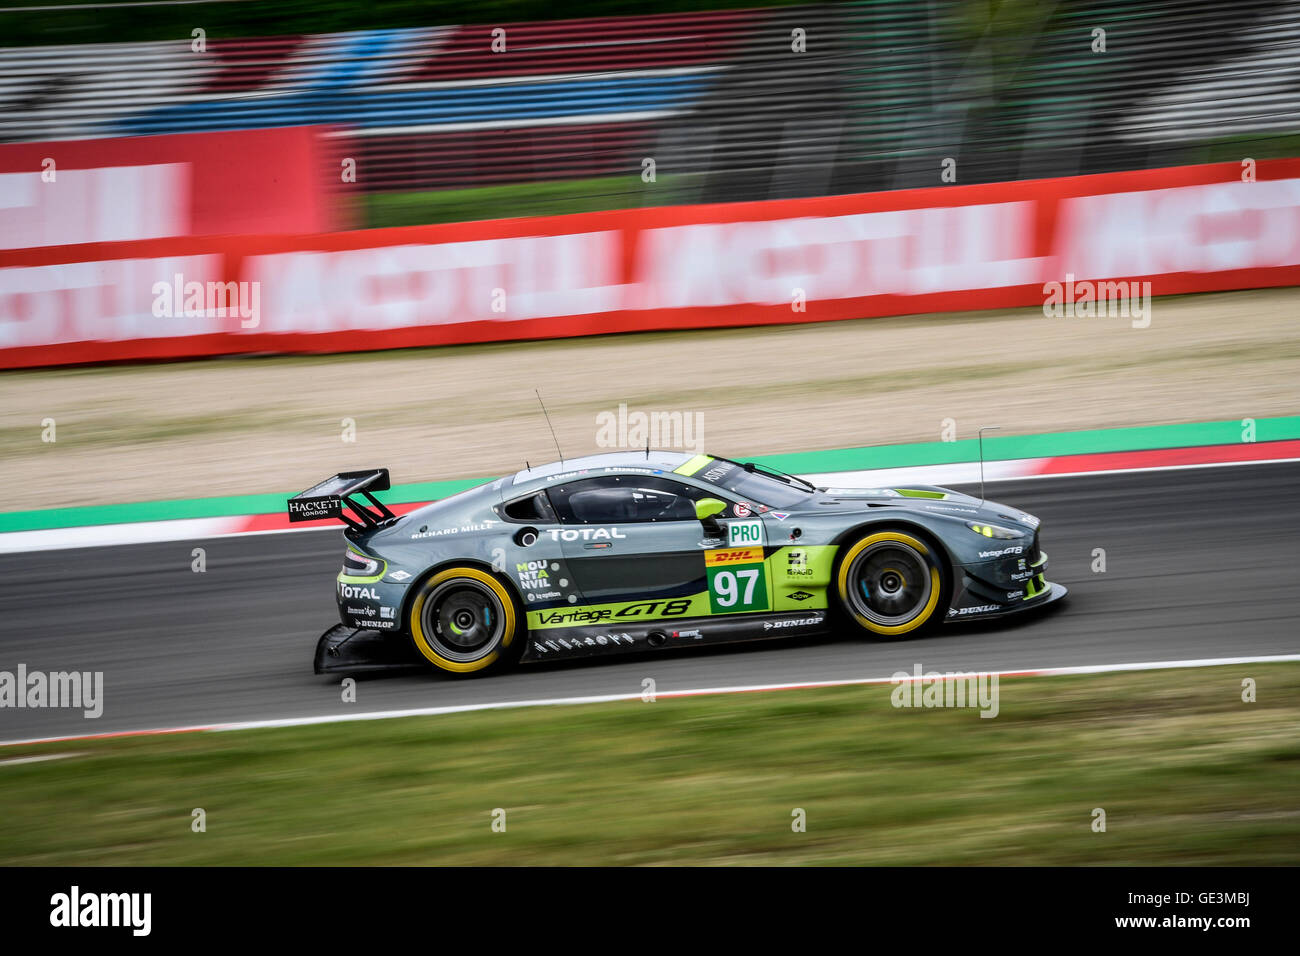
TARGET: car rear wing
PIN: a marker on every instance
(328, 498)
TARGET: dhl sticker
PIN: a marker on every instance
(733, 556)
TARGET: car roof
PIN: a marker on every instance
(631, 462)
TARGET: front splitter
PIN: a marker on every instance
(1054, 594)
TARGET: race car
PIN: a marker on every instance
(633, 551)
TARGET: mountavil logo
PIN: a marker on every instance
(585, 534)
(596, 615)
(796, 622)
(997, 554)
(353, 591)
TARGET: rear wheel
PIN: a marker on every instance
(463, 620)
(890, 583)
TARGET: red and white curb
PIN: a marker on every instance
(900, 678)
(190, 529)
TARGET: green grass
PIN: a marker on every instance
(1186, 772)
(513, 200)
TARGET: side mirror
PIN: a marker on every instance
(707, 508)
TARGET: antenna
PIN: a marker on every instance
(983, 429)
(549, 425)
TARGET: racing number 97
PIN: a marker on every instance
(727, 587)
(737, 589)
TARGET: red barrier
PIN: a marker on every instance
(1189, 229)
(196, 184)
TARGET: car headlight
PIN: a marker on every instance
(994, 531)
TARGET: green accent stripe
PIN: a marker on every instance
(204, 507)
(693, 465)
(996, 448)
(1010, 447)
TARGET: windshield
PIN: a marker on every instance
(754, 486)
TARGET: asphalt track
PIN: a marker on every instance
(1200, 563)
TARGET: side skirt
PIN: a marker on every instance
(564, 643)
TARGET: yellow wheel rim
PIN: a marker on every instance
(842, 583)
(421, 639)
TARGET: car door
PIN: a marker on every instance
(538, 566)
(631, 538)
(737, 570)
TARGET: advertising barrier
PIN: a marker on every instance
(1186, 229)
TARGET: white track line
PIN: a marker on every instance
(697, 692)
(37, 758)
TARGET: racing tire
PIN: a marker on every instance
(464, 620)
(892, 583)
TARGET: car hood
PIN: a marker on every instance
(927, 498)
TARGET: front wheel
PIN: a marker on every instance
(463, 620)
(890, 583)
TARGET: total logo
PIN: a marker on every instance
(584, 534)
(352, 591)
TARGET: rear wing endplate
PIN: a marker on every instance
(328, 498)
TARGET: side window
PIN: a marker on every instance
(532, 508)
(623, 499)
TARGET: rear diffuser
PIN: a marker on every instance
(354, 650)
